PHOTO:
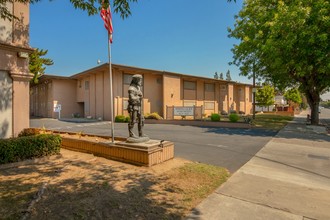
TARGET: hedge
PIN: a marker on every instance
(215, 117)
(27, 147)
(122, 118)
(153, 115)
(233, 117)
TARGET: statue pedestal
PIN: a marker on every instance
(148, 153)
(137, 139)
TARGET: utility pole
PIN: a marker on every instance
(254, 93)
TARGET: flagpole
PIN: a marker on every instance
(111, 92)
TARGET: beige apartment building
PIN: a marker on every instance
(87, 94)
(14, 71)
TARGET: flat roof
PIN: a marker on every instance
(49, 76)
(120, 66)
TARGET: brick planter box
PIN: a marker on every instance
(143, 154)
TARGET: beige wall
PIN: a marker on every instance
(64, 93)
(96, 99)
(223, 103)
(50, 92)
(172, 92)
(153, 93)
(230, 93)
(14, 39)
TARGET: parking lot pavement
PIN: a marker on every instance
(226, 147)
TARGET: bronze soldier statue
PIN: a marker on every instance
(135, 98)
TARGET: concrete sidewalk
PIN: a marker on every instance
(288, 179)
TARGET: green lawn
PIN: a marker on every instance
(271, 121)
(263, 121)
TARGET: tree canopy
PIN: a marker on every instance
(37, 63)
(286, 42)
(216, 76)
(228, 77)
(265, 96)
(293, 95)
(221, 76)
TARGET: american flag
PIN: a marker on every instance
(106, 16)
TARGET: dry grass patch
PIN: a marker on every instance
(195, 181)
(80, 186)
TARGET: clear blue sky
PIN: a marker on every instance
(183, 36)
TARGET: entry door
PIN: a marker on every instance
(6, 111)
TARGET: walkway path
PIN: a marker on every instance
(288, 179)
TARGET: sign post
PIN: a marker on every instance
(58, 108)
(184, 111)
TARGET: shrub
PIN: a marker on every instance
(233, 117)
(27, 147)
(215, 117)
(120, 118)
(28, 132)
(127, 119)
(153, 115)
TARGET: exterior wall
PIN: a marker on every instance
(239, 98)
(48, 93)
(64, 93)
(223, 97)
(248, 100)
(153, 93)
(230, 94)
(14, 40)
(89, 93)
(172, 91)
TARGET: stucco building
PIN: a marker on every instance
(14, 71)
(88, 94)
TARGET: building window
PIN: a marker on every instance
(209, 91)
(189, 90)
(189, 85)
(209, 87)
(86, 85)
(127, 79)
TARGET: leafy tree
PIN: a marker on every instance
(216, 76)
(287, 42)
(265, 96)
(91, 6)
(221, 76)
(293, 95)
(228, 77)
(36, 63)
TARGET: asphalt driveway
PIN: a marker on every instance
(226, 147)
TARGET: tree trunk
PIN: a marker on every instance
(314, 113)
(313, 99)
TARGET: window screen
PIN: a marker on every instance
(209, 87)
(189, 85)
